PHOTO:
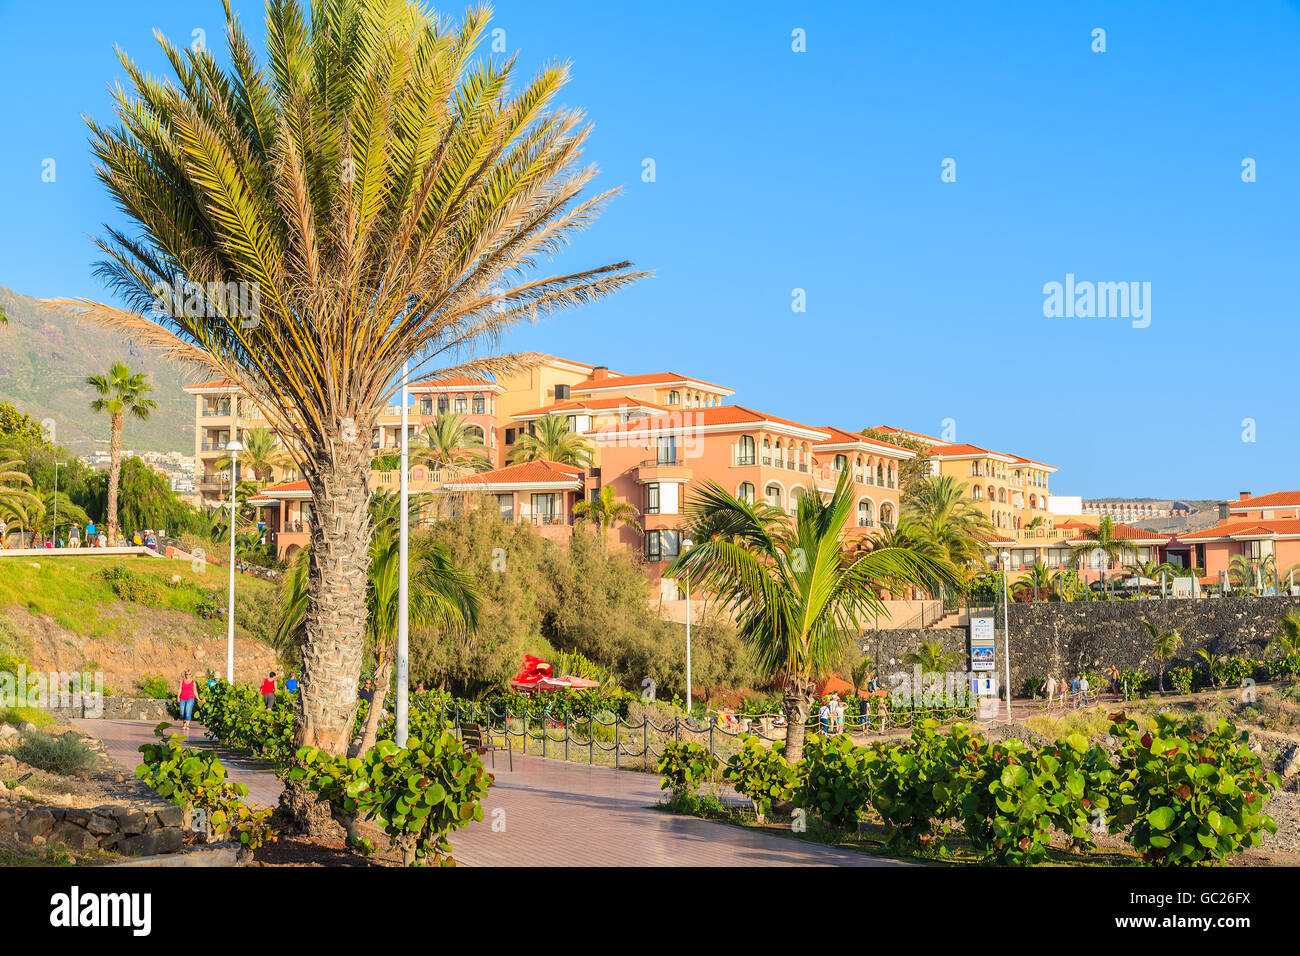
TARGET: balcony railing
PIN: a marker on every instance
(744, 461)
(663, 460)
(297, 527)
(213, 446)
(866, 523)
(548, 519)
(217, 411)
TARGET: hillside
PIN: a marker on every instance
(47, 355)
(65, 614)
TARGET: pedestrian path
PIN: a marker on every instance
(553, 813)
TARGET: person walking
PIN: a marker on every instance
(824, 716)
(1083, 689)
(291, 685)
(4, 530)
(268, 690)
(1114, 680)
(1049, 686)
(186, 695)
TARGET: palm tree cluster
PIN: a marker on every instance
(390, 198)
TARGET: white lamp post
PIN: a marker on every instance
(400, 707)
(686, 546)
(1006, 627)
(56, 501)
(234, 447)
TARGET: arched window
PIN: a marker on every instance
(886, 515)
(975, 491)
(796, 495)
(880, 474)
(767, 451)
(479, 406)
(857, 470)
(460, 406)
(773, 493)
(841, 462)
(745, 450)
(674, 397)
(444, 403)
(992, 495)
(864, 513)
(778, 459)
(746, 492)
(1002, 495)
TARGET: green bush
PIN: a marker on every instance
(196, 781)
(155, 686)
(1138, 682)
(684, 767)
(762, 774)
(66, 755)
(832, 779)
(1190, 798)
(1182, 679)
(237, 715)
(922, 783)
(26, 715)
(420, 792)
(132, 586)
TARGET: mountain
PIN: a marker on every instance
(46, 355)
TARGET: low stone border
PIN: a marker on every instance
(119, 708)
(212, 854)
(139, 828)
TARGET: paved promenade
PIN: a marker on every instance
(552, 813)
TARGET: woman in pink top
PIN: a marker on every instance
(186, 696)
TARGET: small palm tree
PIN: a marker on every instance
(261, 455)
(604, 512)
(121, 392)
(551, 439)
(942, 513)
(448, 442)
(1102, 540)
(1213, 666)
(931, 657)
(796, 590)
(1163, 645)
(1039, 577)
(15, 500)
(1288, 642)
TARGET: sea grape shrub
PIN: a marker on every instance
(683, 767)
(1191, 798)
(236, 715)
(196, 781)
(919, 786)
(832, 779)
(761, 774)
(419, 793)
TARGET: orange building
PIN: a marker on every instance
(1262, 529)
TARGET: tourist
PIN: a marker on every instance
(185, 698)
(367, 692)
(419, 688)
(824, 716)
(1114, 680)
(101, 541)
(74, 540)
(91, 533)
(1049, 687)
(4, 530)
(1083, 689)
(291, 685)
(137, 540)
(268, 690)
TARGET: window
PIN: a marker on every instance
(773, 493)
(561, 392)
(864, 513)
(662, 545)
(767, 451)
(746, 492)
(652, 498)
(426, 405)
(510, 436)
(506, 506)
(461, 406)
(745, 450)
(444, 404)
(666, 450)
(886, 515)
(841, 462)
(796, 494)
(546, 509)
(674, 397)
(479, 405)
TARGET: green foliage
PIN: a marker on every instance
(762, 774)
(1182, 679)
(921, 783)
(132, 586)
(684, 766)
(1138, 682)
(66, 754)
(17, 716)
(155, 686)
(237, 715)
(196, 780)
(1191, 798)
(420, 792)
(832, 779)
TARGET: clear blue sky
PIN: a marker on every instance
(820, 170)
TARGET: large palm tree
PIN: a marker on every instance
(439, 594)
(605, 513)
(262, 454)
(389, 199)
(941, 511)
(1102, 540)
(551, 439)
(796, 591)
(448, 442)
(120, 393)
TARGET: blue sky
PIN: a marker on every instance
(820, 170)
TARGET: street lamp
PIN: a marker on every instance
(686, 546)
(400, 707)
(1006, 627)
(56, 501)
(234, 448)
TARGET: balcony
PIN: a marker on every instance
(216, 411)
(545, 520)
(663, 468)
(213, 445)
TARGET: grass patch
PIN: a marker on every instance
(18, 715)
(65, 755)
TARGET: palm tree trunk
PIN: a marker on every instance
(114, 475)
(336, 618)
(797, 704)
(383, 674)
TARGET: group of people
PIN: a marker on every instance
(91, 536)
(1077, 688)
(830, 717)
(187, 694)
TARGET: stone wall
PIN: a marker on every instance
(1066, 637)
(120, 708)
(143, 828)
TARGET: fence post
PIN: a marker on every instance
(616, 743)
(567, 718)
(591, 739)
(645, 741)
(677, 729)
(713, 722)
(525, 731)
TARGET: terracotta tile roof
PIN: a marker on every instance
(272, 491)
(1124, 532)
(215, 383)
(963, 449)
(840, 436)
(654, 378)
(1274, 499)
(910, 434)
(469, 384)
(714, 415)
(525, 473)
(593, 405)
(1245, 527)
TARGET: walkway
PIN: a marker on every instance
(552, 813)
